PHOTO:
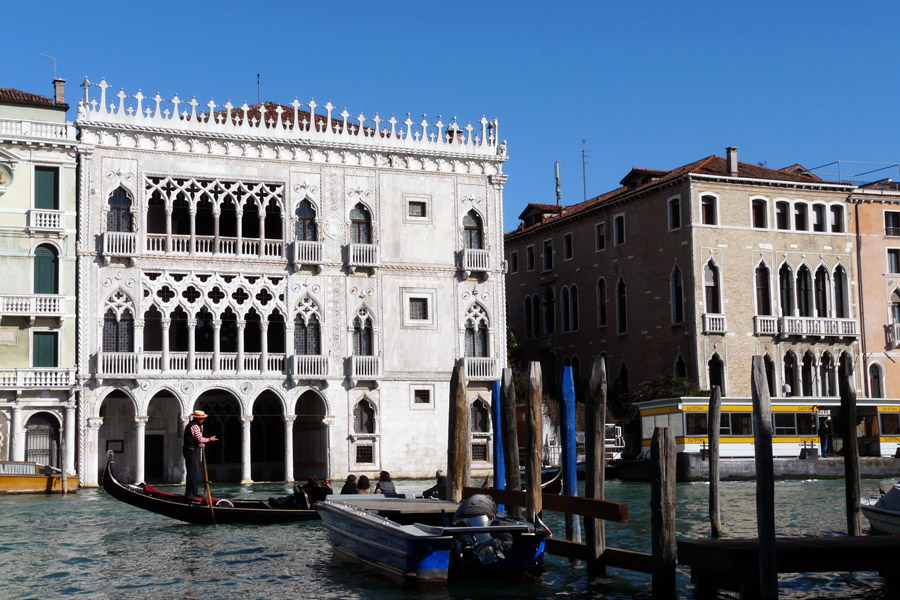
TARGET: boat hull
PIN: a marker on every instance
(36, 484)
(881, 520)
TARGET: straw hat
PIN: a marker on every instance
(199, 414)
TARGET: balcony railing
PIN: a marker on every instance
(37, 378)
(117, 364)
(894, 335)
(119, 244)
(207, 362)
(476, 261)
(765, 325)
(22, 128)
(31, 305)
(480, 369)
(365, 368)
(307, 253)
(207, 245)
(365, 256)
(891, 231)
(310, 366)
(45, 220)
(546, 342)
(818, 327)
(714, 323)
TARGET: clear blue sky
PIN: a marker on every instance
(646, 84)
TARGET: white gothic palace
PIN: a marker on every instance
(308, 277)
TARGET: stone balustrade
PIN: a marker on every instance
(31, 305)
(45, 220)
(818, 327)
(37, 130)
(363, 256)
(714, 323)
(37, 378)
(480, 369)
(476, 261)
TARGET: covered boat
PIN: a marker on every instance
(176, 506)
(18, 477)
(412, 539)
(883, 512)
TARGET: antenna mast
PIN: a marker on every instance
(558, 189)
(583, 170)
(258, 96)
(53, 58)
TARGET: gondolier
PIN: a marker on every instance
(193, 442)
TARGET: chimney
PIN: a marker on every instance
(731, 152)
(59, 91)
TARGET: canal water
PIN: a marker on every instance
(93, 546)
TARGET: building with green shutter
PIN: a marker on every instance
(37, 278)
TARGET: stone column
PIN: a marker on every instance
(288, 346)
(217, 327)
(215, 247)
(69, 434)
(263, 345)
(289, 447)
(192, 332)
(138, 344)
(193, 247)
(240, 345)
(140, 423)
(245, 448)
(239, 215)
(92, 452)
(17, 434)
(166, 323)
(168, 229)
(183, 469)
(262, 232)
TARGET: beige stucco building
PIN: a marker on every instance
(37, 290)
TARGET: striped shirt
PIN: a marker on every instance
(197, 434)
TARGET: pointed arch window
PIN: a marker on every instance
(717, 372)
(480, 419)
(807, 374)
(549, 312)
(786, 290)
(564, 305)
(573, 312)
(363, 338)
(306, 222)
(473, 232)
(360, 225)
(46, 270)
(895, 307)
(118, 331)
(763, 292)
(804, 292)
(601, 303)
(680, 367)
(841, 306)
(477, 332)
(821, 292)
(529, 333)
(876, 384)
(827, 374)
(790, 372)
(118, 218)
(364, 417)
(770, 374)
(535, 315)
(712, 288)
(621, 307)
(677, 296)
(307, 330)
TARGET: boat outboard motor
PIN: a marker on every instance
(479, 511)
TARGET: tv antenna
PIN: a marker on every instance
(558, 189)
(258, 95)
(584, 168)
(53, 58)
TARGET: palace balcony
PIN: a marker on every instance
(37, 378)
(817, 327)
(765, 325)
(365, 368)
(714, 323)
(117, 365)
(212, 246)
(118, 244)
(475, 261)
(308, 254)
(246, 363)
(309, 367)
(31, 306)
(893, 335)
(480, 369)
(24, 129)
(363, 256)
(45, 220)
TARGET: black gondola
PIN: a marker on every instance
(260, 512)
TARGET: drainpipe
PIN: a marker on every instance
(859, 293)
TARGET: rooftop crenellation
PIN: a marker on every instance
(297, 121)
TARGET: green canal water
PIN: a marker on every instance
(93, 546)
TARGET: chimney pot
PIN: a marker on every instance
(59, 91)
(731, 152)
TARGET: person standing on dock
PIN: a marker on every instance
(824, 433)
(194, 442)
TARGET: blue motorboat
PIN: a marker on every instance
(414, 540)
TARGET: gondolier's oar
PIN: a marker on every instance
(206, 479)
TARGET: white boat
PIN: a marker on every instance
(883, 512)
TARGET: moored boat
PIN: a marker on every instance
(197, 510)
(31, 478)
(411, 539)
(883, 512)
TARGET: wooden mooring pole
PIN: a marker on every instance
(851, 450)
(64, 481)
(712, 426)
(765, 481)
(499, 462)
(458, 441)
(570, 470)
(595, 464)
(533, 443)
(510, 438)
(662, 512)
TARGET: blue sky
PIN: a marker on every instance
(647, 84)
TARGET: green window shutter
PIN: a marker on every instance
(45, 266)
(46, 188)
(44, 350)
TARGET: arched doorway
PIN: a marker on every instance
(223, 458)
(163, 462)
(117, 433)
(267, 438)
(310, 438)
(42, 439)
